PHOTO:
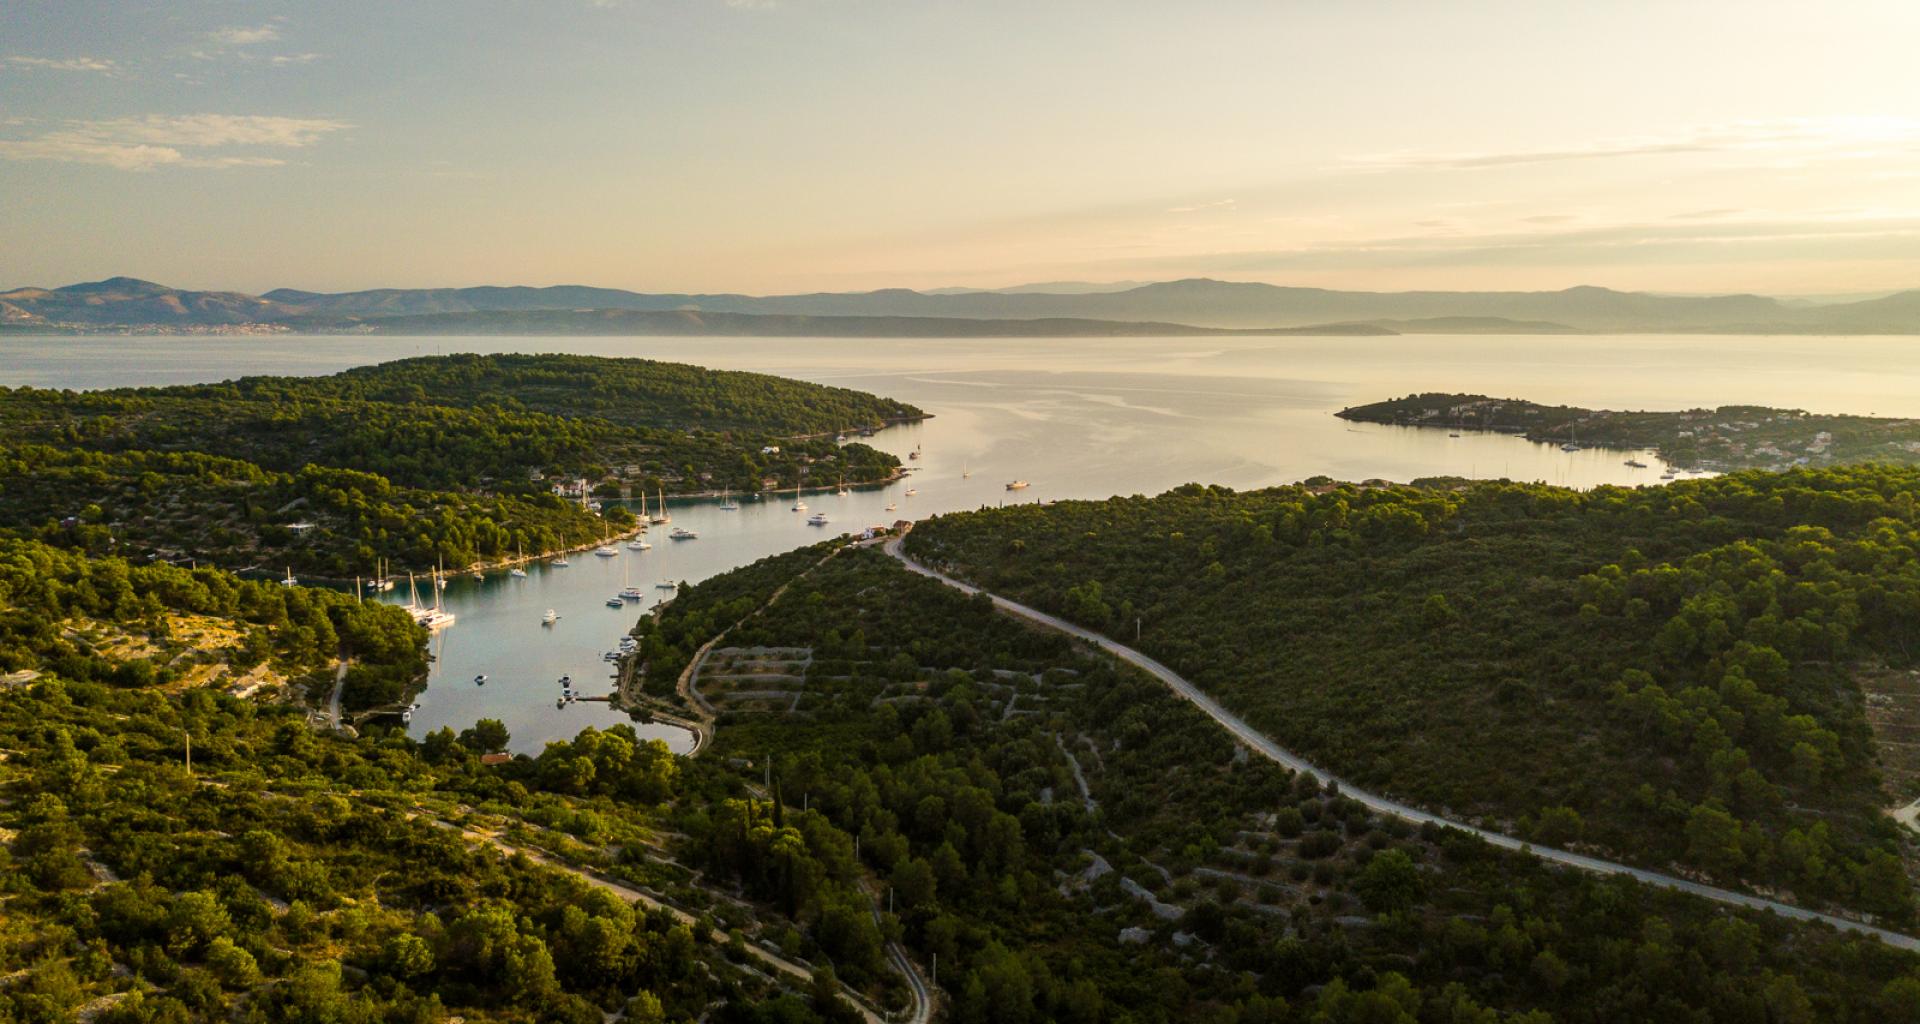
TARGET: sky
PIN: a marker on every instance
(776, 146)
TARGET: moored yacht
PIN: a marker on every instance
(817, 519)
(682, 533)
(1016, 485)
(550, 617)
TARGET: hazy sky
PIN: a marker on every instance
(792, 145)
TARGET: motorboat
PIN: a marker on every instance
(638, 544)
(891, 506)
(1016, 485)
(682, 533)
(666, 585)
(607, 551)
(817, 519)
(480, 680)
(550, 617)
(1636, 464)
(632, 593)
(615, 602)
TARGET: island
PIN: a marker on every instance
(1730, 437)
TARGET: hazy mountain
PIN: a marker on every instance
(697, 322)
(1200, 302)
(1196, 302)
(127, 300)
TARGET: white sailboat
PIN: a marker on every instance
(727, 504)
(660, 513)
(290, 581)
(517, 572)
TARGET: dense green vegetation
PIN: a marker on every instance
(289, 875)
(1191, 882)
(1665, 675)
(417, 462)
(1727, 438)
(47, 593)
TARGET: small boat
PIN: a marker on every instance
(550, 617)
(840, 439)
(1569, 447)
(440, 583)
(1016, 485)
(666, 585)
(480, 680)
(406, 717)
(964, 471)
(290, 581)
(607, 551)
(633, 593)
(817, 519)
(1453, 433)
(517, 573)
(914, 454)
(891, 506)
(566, 681)
(911, 491)
(561, 563)
(637, 544)
(727, 504)
(682, 533)
(610, 656)
(559, 702)
(479, 577)
(615, 602)
(1636, 464)
(799, 506)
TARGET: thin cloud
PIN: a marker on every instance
(98, 65)
(1197, 207)
(1836, 136)
(193, 140)
(236, 35)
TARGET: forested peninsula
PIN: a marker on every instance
(1730, 437)
(435, 461)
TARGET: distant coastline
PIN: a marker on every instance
(1198, 307)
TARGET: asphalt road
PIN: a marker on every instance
(1260, 743)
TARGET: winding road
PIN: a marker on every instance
(1260, 743)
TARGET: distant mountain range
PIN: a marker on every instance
(1167, 307)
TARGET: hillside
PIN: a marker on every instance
(1075, 843)
(1672, 675)
(1159, 308)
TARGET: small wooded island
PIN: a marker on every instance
(1728, 438)
(436, 461)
